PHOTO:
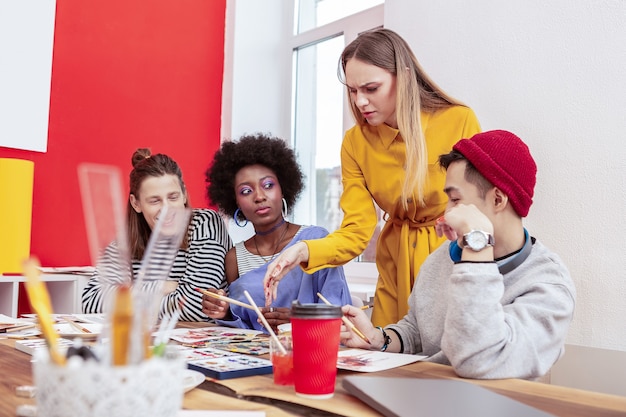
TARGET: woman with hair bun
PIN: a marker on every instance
(157, 181)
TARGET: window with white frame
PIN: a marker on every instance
(320, 112)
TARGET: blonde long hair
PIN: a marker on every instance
(416, 92)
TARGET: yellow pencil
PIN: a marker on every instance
(121, 323)
(40, 302)
(347, 322)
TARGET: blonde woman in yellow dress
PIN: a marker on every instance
(404, 121)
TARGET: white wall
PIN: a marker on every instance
(552, 72)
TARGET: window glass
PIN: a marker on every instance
(319, 130)
(320, 114)
(315, 13)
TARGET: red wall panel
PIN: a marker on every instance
(125, 74)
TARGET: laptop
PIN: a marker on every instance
(413, 397)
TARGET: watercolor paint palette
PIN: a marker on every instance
(246, 341)
(215, 334)
(221, 364)
(252, 347)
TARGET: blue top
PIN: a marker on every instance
(296, 285)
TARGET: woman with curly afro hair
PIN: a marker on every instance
(257, 179)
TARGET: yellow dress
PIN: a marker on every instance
(372, 165)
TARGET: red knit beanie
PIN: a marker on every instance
(505, 161)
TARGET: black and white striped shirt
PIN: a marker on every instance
(201, 265)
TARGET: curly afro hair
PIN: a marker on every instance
(258, 149)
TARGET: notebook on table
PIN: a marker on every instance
(413, 397)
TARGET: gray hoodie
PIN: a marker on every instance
(487, 325)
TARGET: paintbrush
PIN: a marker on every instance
(265, 323)
(224, 298)
(347, 322)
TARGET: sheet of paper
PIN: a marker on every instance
(76, 270)
(7, 322)
(89, 318)
(361, 360)
(218, 413)
(83, 318)
(4, 319)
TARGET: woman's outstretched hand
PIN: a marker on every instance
(286, 261)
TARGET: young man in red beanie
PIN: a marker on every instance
(493, 302)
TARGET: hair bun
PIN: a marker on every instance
(141, 154)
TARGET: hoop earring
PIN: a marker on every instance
(285, 210)
(236, 218)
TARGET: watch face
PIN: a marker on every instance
(477, 240)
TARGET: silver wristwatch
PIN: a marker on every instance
(477, 240)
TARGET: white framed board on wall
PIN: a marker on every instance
(26, 39)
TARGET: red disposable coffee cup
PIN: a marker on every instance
(315, 331)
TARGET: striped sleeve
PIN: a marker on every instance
(200, 266)
(101, 285)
